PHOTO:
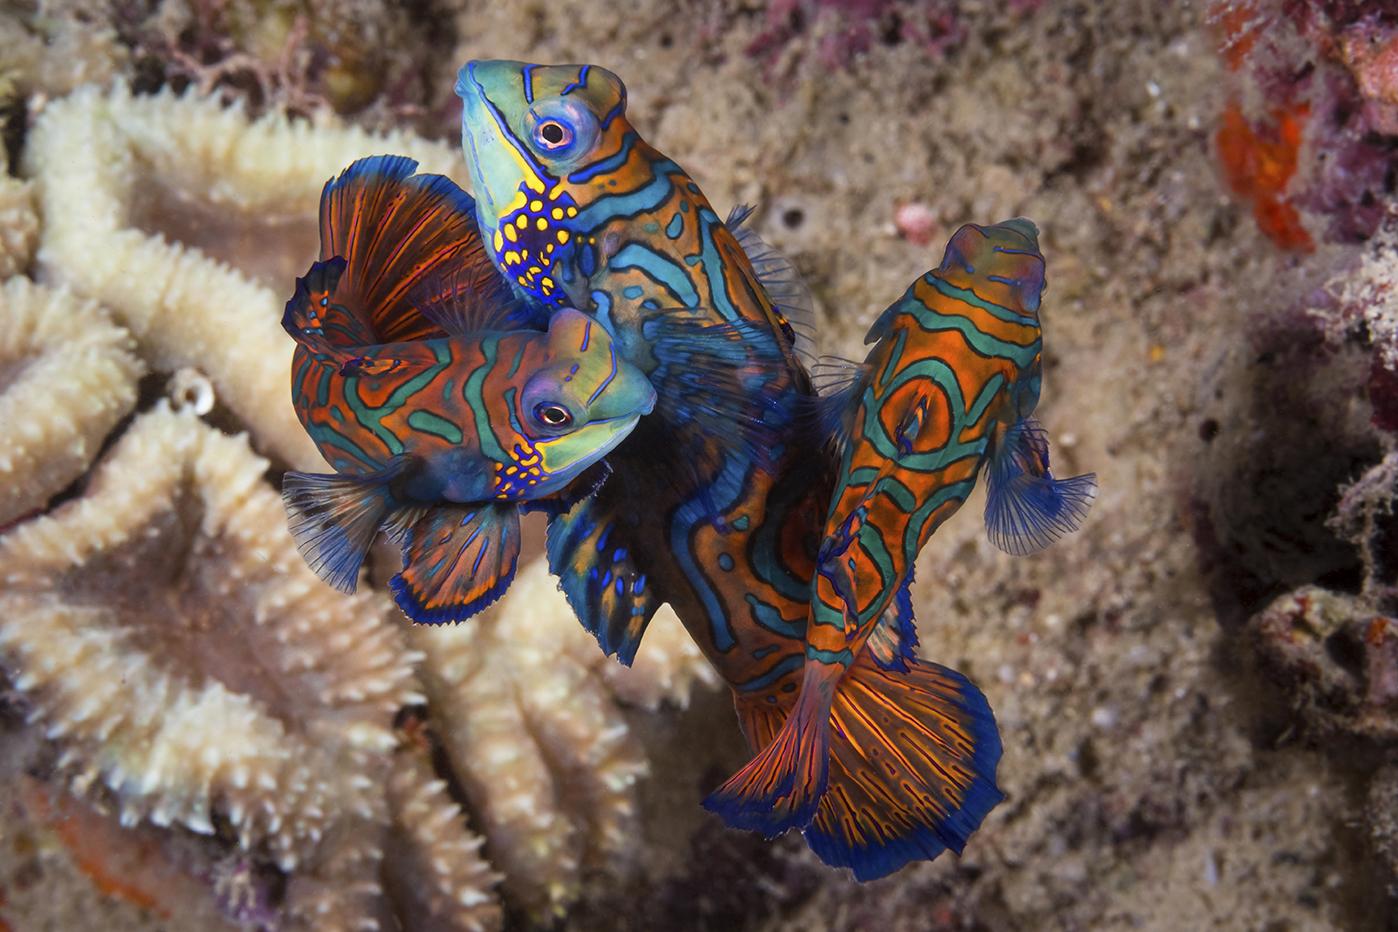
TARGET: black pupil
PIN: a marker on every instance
(552, 133)
(554, 415)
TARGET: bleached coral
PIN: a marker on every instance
(562, 799)
(106, 162)
(171, 639)
(67, 375)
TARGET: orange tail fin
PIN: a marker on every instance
(780, 788)
(912, 768)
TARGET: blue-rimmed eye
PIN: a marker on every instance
(553, 135)
(552, 415)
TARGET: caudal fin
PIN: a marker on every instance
(334, 518)
(912, 768)
(1026, 508)
(780, 788)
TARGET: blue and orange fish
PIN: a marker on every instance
(714, 503)
(441, 410)
(886, 757)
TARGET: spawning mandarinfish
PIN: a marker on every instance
(438, 412)
(949, 387)
(716, 499)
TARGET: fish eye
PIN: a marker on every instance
(553, 134)
(553, 415)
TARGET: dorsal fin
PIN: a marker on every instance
(779, 278)
(396, 231)
(454, 302)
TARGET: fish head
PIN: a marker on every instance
(583, 402)
(542, 142)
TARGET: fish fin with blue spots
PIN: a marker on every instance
(1026, 508)
(779, 278)
(315, 318)
(781, 787)
(893, 642)
(333, 518)
(717, 393)
(913, 756)
(457, 559)
(588, 551)
(398, 230)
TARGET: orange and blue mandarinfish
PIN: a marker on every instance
(886, 757)
(714, 503)
(440, 412)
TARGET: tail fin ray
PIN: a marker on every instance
(912, 768)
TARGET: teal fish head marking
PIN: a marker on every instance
(584, 401)
(542, 142)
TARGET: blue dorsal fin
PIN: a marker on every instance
(779, 278)
(894, 640)
(1026, 508)
(457, 559)
(334, 518)
(595, 560)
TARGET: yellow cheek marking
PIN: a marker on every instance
(572, 211)
(512, 258)
(510, 235)
(536, 206)
(499, 241)
(555, 191)
(522, 222)
(520, 279)
(541, 224)
(548, 282)
(563, 236)
(557, 213)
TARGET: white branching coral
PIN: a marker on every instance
(171, 639)
(530, 723)
(135, 192)
(67, 375)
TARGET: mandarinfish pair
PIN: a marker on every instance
(589, 337)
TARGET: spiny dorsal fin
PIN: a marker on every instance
(779, 278)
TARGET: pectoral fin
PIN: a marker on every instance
(457, 559)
